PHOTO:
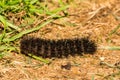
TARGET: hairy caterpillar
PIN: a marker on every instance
(56, 48)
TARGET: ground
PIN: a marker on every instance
(94, 18)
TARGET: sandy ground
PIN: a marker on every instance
(94, 18)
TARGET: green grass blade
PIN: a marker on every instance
(7, 47)
(33, 1)
(2, 19)
(93, 77)
(32, 10)
(13, 26)
(114, 30)
(26, 32)
(39, 58)
(57, 10)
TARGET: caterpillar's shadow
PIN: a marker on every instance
(57, 48)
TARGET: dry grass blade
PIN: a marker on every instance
(110, 47)
(95, 12)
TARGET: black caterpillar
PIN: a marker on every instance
(56, 48)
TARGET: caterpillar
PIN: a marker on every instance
(56, 48)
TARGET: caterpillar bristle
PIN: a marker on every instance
(56, 48)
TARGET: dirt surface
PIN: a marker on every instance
(94, 18)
